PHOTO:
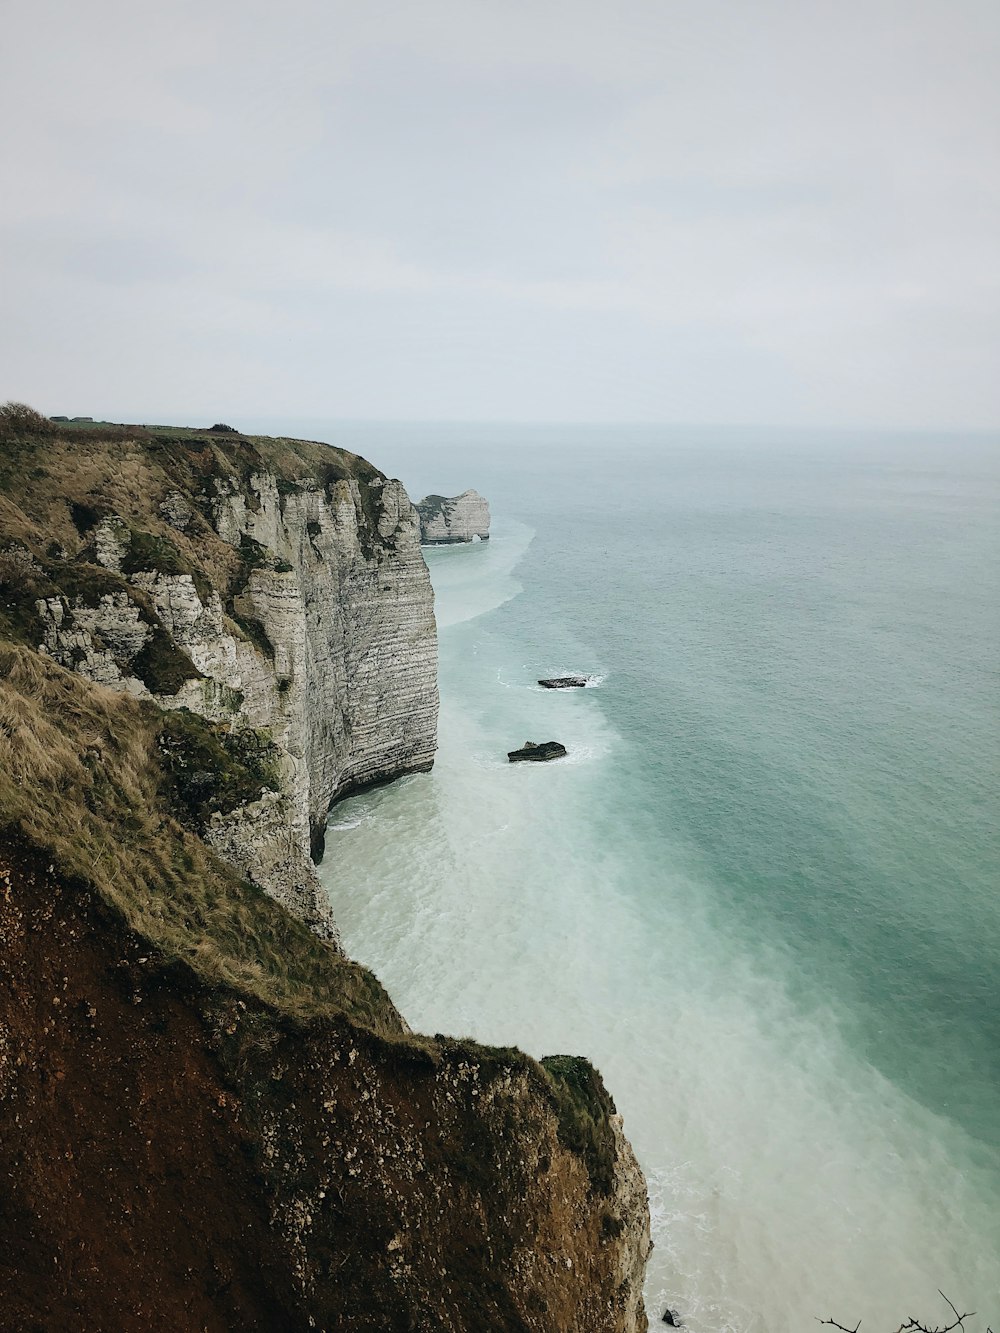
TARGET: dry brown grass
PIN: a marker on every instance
(80, 777)
(52, 473)
(80, 771)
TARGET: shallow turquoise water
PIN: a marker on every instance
(761, 893)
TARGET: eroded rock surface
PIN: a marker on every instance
(458, 518)
(272, 585)
(536, 752)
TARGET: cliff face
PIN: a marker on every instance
(209, 1117)
(269, 585)
(458, 518)
(178, 1155)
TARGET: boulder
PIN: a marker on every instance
(564, 683)
(536, 752)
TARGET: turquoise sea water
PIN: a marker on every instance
(761, 893)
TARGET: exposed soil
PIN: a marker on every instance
(178, 1156)
(129, 1198)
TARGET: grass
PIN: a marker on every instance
(82, 775)
(58, 479)
(583, 1106)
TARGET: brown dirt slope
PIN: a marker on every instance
(175, 1155)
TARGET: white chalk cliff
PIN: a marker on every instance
(458, 518)
(274, 589)
(323, 636)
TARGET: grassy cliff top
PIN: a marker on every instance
(58, 479)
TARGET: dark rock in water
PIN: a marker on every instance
(546, 750)
(564, 683)
(672, 1318)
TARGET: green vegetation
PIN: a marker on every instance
(21, 585)
(252, 630)
(83, 580)
(148, 550)
(163, 667)
(253, 554)
(210, 770)
(160, 665)
(583, 1106)
(83, 776)
(18, 420)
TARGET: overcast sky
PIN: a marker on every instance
(760, 211)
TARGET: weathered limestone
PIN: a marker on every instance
(444, 520)
(331, 647)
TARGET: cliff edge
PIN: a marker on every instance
(265, 585)
(209, 1117)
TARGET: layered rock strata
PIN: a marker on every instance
(209, 1117)
(458, 518)
(279, 589)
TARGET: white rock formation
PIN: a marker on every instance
(459, 518)
(331, 648)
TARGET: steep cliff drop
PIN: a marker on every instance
(264, 585)
(209, 1117)
(460, 518)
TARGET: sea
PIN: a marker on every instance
(761, 891)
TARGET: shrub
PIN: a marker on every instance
(210, 770)
(18, 419)
(583, 1107)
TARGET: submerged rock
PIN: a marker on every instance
(565, 683)
(539, 752)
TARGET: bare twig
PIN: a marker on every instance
(913, 1325)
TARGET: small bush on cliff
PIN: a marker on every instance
(163, 667)
(18, 419)
(210, 770)
(158, 553)
(583, 1106)
(148, 550)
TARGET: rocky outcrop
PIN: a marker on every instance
(536, 752)
(460, 518)
(279, 589)
(565, 683)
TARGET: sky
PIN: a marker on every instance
(696, 211)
